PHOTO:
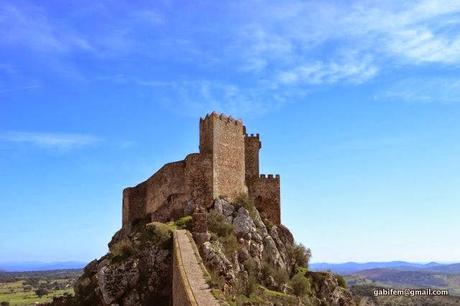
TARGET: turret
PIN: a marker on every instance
(222, 144)
(252, 146)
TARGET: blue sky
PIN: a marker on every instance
(357, 106)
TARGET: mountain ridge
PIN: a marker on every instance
(353, 267)
(29, 266)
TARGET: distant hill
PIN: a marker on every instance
(40, 266)
(450, 269)
(405, 279)
(402, 278)
(396, 274)
(364, 296)
(353, 267)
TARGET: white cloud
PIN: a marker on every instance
(328, 73)
(308, 38)
(428, 90)
(30, 26)
(50, 140)
(263, 53)
(422, 45)
(197, 97)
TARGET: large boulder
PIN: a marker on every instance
(214, 257)
(327, 289)
(225, 208)
(136, 272)
(243, 225)
(115, 280)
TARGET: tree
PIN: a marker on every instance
(41, 292)
(300, 284)
(300, 255)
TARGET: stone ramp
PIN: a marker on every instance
(189, 284)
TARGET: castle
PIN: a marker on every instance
(227, 166)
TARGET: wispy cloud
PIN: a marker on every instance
(330, 72)
(263, 53)
(422, 90)
(382, 143)
(50, 140)
(198, 97)
(23, 88)
(289, 36)
(30, 26)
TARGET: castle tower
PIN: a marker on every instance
(227, 165)
(252, 145)
(264, 190)
(222, 142)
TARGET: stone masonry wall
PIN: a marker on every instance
(252, 146)
(228, 158)
(265, 192)
(198, 178)
(166, 185)
(228, 163)
(133, 203)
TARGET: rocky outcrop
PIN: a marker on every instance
(245, 249)
(327, 289)
(246, 256)
(137, 271)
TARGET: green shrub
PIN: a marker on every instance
(158, 233)
(250, 266)
(215, 281)
(139, 224)
(341, 281)
(122, 249)
(267, 270)
(244, 201)
(230, 244)
(300, 284)
(300, 255)
(251, 285)
(184, 223)
(279, 275)
(217, 224)
(41, 292)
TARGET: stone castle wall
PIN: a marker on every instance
(166, 185)
(228, 158)
(252, 146)
(265, 192)
(227, 165)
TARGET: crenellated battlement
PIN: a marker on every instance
(251, 135)
(227, 165)
(270, 176)
(265, 192)
(221, 117)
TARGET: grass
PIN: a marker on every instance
(184, 222)
(262, 296)
(121, 250)
(159, 234)
(244, 201)
(13, 292)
